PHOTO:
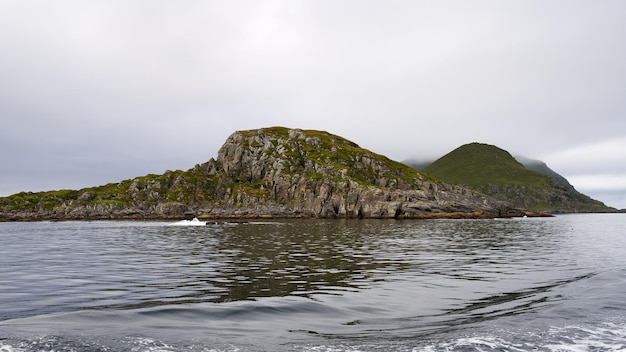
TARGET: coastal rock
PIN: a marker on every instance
(270, 172)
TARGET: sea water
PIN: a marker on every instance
(539, 284)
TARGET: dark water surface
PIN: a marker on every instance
(546, 284)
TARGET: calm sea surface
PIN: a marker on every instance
(543, 284)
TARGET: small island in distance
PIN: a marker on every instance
(294, 173)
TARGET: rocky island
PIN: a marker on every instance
(270, 172)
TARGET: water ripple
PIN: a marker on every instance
(291, 280)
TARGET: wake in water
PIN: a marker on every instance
(606, 337)
(192, 222)
(197, 222)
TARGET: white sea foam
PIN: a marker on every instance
(144, 344)
(477, 343)
(192, 222)
(8, 348)
(607, 337)
(197, 222)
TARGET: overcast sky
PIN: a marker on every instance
(95, 91)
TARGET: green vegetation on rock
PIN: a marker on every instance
(480, 165)
(38, 201)
(279, 171)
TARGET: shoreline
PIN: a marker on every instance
(235, 217)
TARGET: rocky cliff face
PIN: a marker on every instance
(314, 173)
(269, 172)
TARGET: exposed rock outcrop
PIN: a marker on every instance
(276, 172)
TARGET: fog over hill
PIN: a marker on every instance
(525, 182)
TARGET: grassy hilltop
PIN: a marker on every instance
(493, 171)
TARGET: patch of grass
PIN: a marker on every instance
(34, 201)
(476, 165)
(493, 171)
(328, 151)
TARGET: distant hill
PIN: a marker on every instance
(495, 172)
(531, 164)
(266, 172)
(418, 165)
(542, 168)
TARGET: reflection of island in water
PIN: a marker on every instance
(310, 257)
(291, 258)
(243, 261)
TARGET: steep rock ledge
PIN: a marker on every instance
(313, 173)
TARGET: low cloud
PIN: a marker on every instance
(600, 182)
(591, 158)
(608, 188)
